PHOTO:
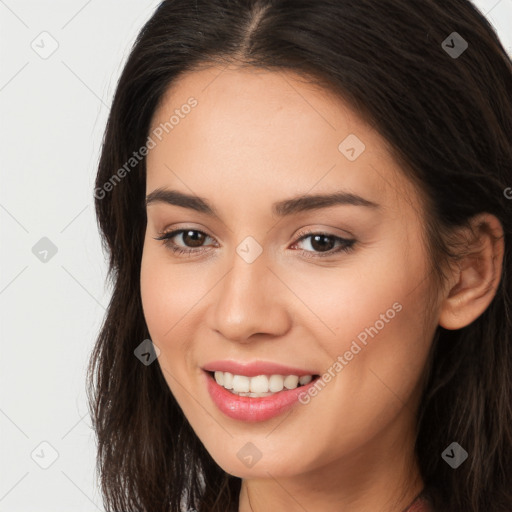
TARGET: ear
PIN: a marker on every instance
(473, 284)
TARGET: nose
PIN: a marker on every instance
(250, 302)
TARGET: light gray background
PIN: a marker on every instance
(52, 116)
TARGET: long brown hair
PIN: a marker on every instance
(448, 121)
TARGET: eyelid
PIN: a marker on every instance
(167, 235)
(299, 234)
(325, 231)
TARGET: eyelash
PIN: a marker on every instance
(347, 245)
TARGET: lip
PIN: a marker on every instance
(255, 368)
(245, 408)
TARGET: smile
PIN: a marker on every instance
(261, 385)
(258, 397)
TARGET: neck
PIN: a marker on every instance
(282, 495)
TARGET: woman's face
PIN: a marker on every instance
(273, 283)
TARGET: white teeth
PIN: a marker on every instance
(228, 380)
(261, 385)
(219, 378)
(291, 382)
(305, 379)
(276, 383)
(241, 383)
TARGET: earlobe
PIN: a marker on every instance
(477, 276)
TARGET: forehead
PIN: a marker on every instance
(258, 131)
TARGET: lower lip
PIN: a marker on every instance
(246, 408)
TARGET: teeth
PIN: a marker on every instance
(254, 395)
(305, 379)
(291, 382)
(241, 383)
(228, 380)
(276, 383)
(261, 385)
(219, 378)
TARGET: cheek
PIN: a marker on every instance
(383, 348)
(162, 308)
(170, 297)
(168, 294)
(365, 289)
(154, 297)
(371, 313)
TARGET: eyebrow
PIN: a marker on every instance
(281, 208)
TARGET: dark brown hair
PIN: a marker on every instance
(448, 122)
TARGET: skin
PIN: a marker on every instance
(254, 138)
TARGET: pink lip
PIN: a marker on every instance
(245, 408)
(255, 368)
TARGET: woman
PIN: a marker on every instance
(307, 211)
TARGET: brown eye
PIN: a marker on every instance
(195, 237)
(192, 239)
(323, 244)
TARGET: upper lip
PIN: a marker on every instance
(254, 368)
